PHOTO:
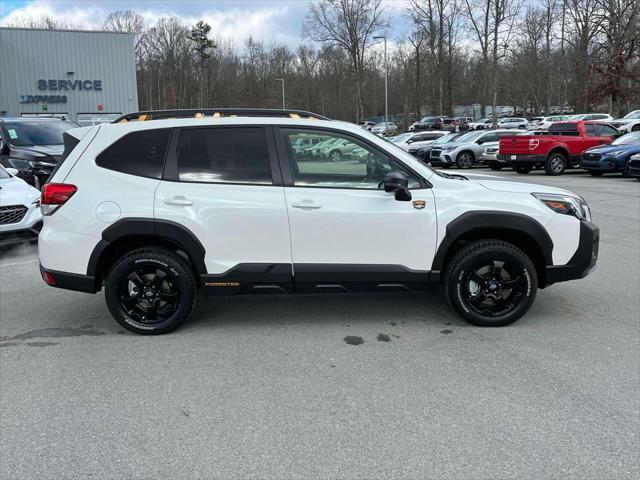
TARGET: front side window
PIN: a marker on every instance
(225, 155)
(138, 153)
(341, 161)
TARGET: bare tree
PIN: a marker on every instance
(349, 25)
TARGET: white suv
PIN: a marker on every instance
(157, 210)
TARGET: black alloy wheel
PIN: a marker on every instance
(150, 290)
(491, 283)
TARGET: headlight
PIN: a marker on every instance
(565, 204)
(36, 202)
(615, 154)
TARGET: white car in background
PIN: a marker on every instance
(629, 123)
(20, 215)
(417, 140)
(594, 117)
(546, 122)
(482, 124)
(513, 122)
(380, 129)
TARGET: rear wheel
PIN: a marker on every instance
(556, 164)
(150, 290)
(464, 160)
(523, 169)
(491, 283)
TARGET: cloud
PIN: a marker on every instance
(279, 21)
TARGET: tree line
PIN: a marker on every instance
(579, 53)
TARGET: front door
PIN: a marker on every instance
(347, 233)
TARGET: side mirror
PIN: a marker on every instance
(12, 171)
(397, 182)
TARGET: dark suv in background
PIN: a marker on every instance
(32, 145)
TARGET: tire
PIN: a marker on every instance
(335, 156)
(625, 171)
(495, 166)
(476, 278)
(446, 165)
(522, 169)
(150, 274)
(556, 164)
(596, 173)
(465, 160)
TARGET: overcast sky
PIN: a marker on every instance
(268, 20)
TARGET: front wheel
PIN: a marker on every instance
(335, 156)
(150, 290)
(522, 169)
(491, 283)
(464, 160)
(596, 173)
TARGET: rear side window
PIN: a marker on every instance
(224, 155)
(605, 130)
(137, 153)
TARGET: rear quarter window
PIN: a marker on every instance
(140, 153)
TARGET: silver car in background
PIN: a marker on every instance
(467, 149)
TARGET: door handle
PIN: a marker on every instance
(306, 205)
(178, 200)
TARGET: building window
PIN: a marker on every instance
(89, 119)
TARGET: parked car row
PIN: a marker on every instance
(596, 147)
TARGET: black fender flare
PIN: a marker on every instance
(491, 220)
(173, 232)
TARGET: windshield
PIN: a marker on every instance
(576, 117)
(28, 134)
(470, 136)
(401, 138)
(3, 173)
(633, 115)
(628, 139)
(447, 138)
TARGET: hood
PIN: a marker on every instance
(14, 191)
(502, 184)
(604, 149)
(37, 151)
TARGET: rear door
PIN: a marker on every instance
(347, 232)
(224, 185)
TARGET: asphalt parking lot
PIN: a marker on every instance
(267, 387)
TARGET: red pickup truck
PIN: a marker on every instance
(556, 149)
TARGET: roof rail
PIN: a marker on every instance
(215, 112)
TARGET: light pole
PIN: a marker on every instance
(281, 80)
(386, 87)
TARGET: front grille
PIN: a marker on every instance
(435, 152)
(12, 214)
(591, 157)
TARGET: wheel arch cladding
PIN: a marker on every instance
(521, 230)
(131, 233)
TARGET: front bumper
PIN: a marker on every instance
(31, 221)
(605, 164)
(583, 261)
(634, 168)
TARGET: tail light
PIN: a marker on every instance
(54, 195)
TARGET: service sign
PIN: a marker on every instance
(55, 85)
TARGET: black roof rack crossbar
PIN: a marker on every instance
(216, 112)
